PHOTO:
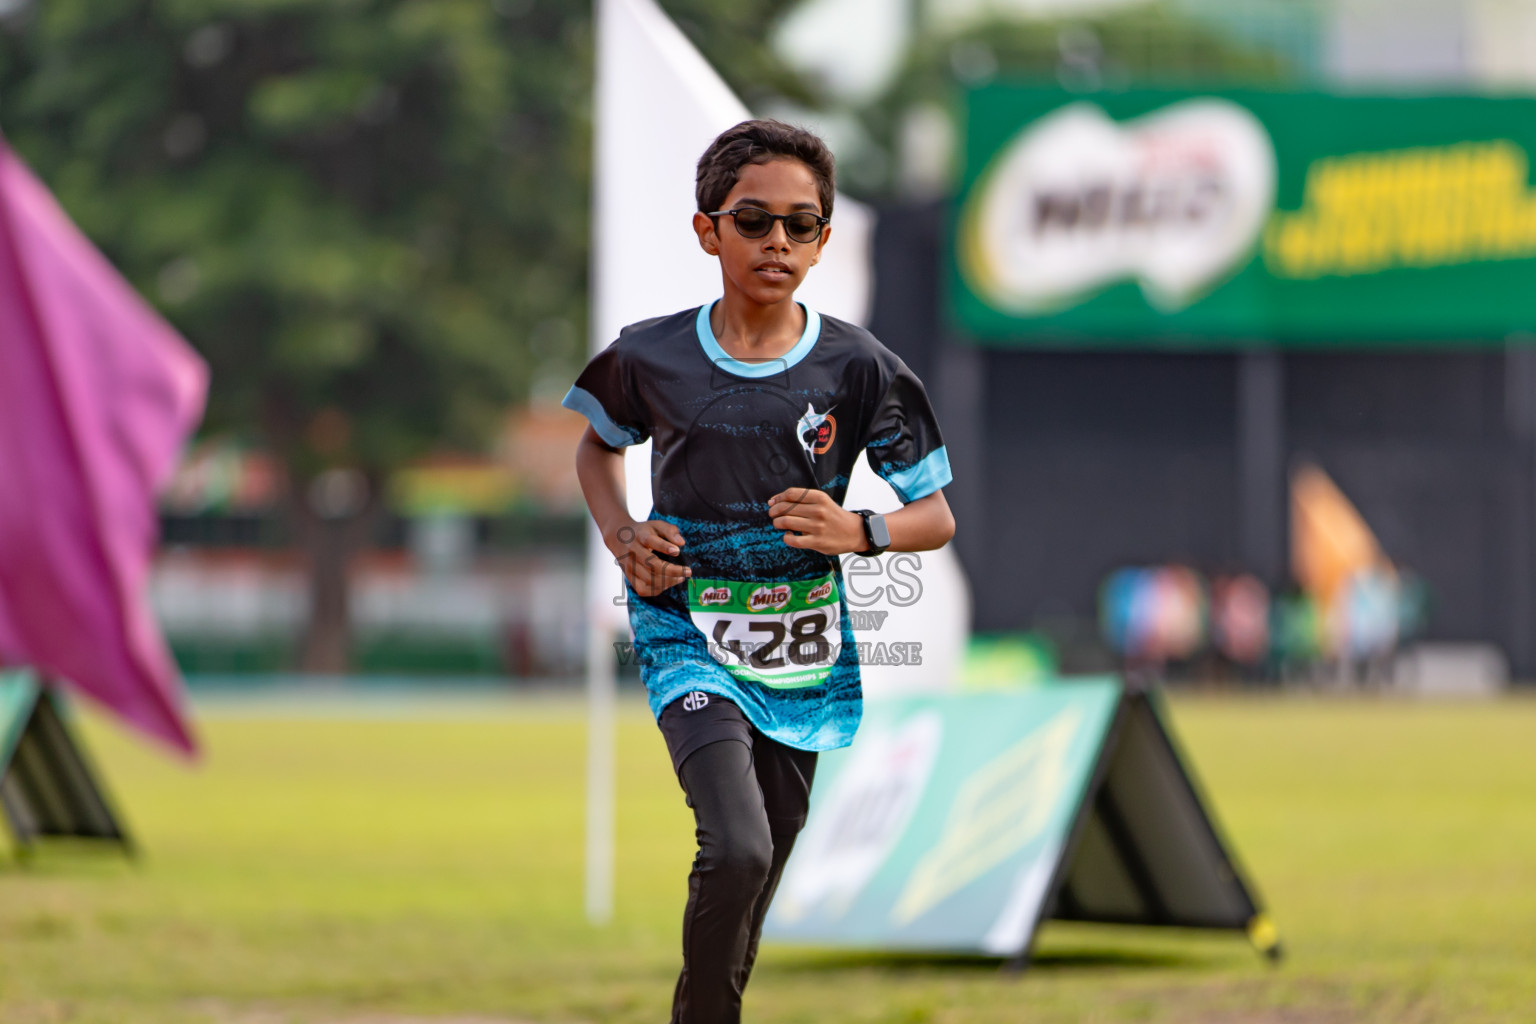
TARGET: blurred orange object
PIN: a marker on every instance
(1330, 541)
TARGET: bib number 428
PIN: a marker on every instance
(801, 641)
(784, 635)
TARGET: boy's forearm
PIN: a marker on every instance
(600, 470)
(921, 525)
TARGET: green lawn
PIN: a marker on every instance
(367, 868)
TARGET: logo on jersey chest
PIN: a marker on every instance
(816, 431)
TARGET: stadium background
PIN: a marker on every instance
(389, 815)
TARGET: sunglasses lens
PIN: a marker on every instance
(753, 223)
(803, 227)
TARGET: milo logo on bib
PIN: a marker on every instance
(769, 598)
(784, 635)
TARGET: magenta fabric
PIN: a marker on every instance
(97, 396)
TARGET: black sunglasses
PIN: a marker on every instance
(751, 222)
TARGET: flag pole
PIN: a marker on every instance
(602, 681)
(602, 686)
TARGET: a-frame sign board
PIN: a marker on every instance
(47, 787)
(1146, 849)
(961, 823)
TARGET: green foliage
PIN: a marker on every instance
(360, 211)
(370, 216)
(734, 36)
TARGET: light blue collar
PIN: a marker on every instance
(767, 368)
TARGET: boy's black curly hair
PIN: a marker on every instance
(757, 142)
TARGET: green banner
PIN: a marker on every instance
(18, 696)
(1233, 218)
(942, 826)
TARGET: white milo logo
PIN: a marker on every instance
(695, 700)
(1174, 199)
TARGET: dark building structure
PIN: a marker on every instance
(1069, 464)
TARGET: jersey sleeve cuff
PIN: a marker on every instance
(586, 403)
(922, 479)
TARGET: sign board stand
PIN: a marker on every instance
(962, 823)
(1145, 849)
(47, 787)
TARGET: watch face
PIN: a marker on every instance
(877, 531)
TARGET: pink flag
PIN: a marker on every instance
(97, 395)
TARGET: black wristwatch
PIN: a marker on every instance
(875, 533)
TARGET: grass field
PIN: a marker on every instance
(377, 868)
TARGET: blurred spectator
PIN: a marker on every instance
(1153, 616)
(1363, 623)
(1157, 617)
(1240, 619)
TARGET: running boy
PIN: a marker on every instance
(758, 407)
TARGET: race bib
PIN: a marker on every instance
(784, 635)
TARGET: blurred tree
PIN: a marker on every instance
(734, 37)
(370, 216)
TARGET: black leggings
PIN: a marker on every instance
(749, 801)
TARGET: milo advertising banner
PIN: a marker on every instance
(1233, 218)
(960, 822)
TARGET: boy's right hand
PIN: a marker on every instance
(639, 547)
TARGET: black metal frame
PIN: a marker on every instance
(1059, 902)
(49, 788)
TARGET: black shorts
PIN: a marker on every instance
(784, 773)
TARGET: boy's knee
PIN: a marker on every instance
(746, 859)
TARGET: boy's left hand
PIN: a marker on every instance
(816, 522)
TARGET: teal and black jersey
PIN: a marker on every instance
(760, 623)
